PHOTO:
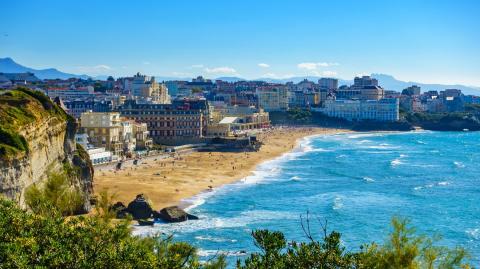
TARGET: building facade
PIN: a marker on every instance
(357, 110)
(170, 124)
(273, 98)
(103, 130)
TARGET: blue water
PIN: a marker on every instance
(355, 181)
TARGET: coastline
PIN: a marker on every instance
(180, 180)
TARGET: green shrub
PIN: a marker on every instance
(11, 143)
(57, 194)
(403, 249)
(29, 240)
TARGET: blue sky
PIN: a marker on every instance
(417, 40)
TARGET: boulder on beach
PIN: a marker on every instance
(140, 208)
(174, 214)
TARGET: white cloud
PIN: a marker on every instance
(196, 66)
(308, 66)
(95, 70)
(221, 70)
(102, 67)
(313, 65)
(318, 73)
(263, 65)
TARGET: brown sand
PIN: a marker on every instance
(167, 181)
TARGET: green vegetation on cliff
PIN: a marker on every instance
(56, 194)
(18, 108)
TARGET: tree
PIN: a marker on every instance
(403, 249)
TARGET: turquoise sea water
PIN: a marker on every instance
(357, 182)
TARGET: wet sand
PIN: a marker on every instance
(167, 181)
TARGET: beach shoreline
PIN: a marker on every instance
(178, 180)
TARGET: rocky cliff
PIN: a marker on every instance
(38, 138)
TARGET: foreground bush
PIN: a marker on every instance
(403, 249)
(29, 240)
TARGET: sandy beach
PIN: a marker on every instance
(166, 181)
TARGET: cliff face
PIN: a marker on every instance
(38, 138)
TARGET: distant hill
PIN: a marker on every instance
(390, 83)
(8, 65)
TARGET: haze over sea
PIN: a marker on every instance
(356, 181)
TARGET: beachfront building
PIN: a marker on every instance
(230, 120)
(127, 136)
(142, 136)
(103, 130)
(97, 155)
(273, 98)
(182, 122)
(386, 109)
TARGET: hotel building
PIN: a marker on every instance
(386, 109)
(182, 122)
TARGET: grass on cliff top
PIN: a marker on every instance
(20, 107)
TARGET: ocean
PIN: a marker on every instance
(355, 181)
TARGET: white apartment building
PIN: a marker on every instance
(386, 109)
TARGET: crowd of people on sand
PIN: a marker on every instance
(181, 167)
(174, 160)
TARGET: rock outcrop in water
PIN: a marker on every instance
(37, 138)
(175, 214)
(140, 208)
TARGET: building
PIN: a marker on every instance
(127, 136)
(360, 82)
(71, 93)
(97, 155)
(328, 84)
(366, 88)
(227, 120)
(146, 88)
(411, 91)
(173, 86)
(301, 99)
(103, 130)
(182, 122)
(76, 107)
(142, 136)
(273, 98)
(357, 110)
